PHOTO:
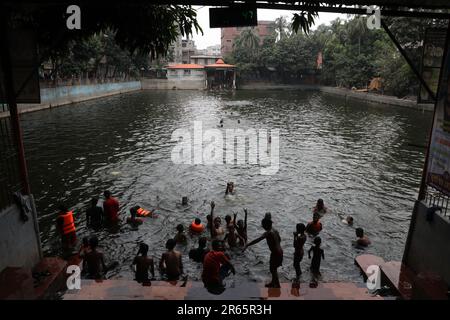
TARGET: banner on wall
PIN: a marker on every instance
(438, 171)
(433, 51)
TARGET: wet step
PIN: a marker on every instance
(127, 289)
(19, 284)
(364, 261)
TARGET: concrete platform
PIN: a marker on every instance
(159, 290)
(19, 284)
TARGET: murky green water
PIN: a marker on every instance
(356, 157)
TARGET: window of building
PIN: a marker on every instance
(187, 72)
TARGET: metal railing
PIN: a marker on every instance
(435, 198)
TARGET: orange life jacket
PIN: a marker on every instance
(197, 227)
(68, 225)
(143, 213)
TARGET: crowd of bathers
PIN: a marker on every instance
(216, 262)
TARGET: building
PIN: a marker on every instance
(215, 75)
(228, 35)
(188, 49)
(204, 59)
(213, 50)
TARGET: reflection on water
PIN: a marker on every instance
(355, 157)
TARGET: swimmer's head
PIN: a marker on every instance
(268, 215)
(266, 224)
(107, 194)
(350, 220)
(320, 204)
(217, 221)
(317, 241)
(300, 228)
(170, 244)
(316, 217)
(202, 242)
(143, 248)
(359, 232)
(208, 218)
(240, 223)
(62, 208)
(180, 228)
(228, 218)
(197, 221)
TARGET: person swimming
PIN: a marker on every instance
(132, 220)
(361, 239)
(320, 207)
(180, 237)
(199, 253)
(315, 226)
(230, 188)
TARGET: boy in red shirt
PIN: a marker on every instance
(111, 207)
(216, 266)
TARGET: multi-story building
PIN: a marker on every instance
(204, 59)
(228, 35)
(213, 50)
(188, 49)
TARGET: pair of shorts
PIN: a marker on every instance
(276, 260)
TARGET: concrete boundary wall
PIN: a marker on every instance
(429, 249)
(20, 245)
(346, 94)
(59, 96)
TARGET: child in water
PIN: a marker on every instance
(299, 242)
(361, 239)
(320, 208)
(171, 262)
(132, 220)
(180, 237)
(314, 227)
(317, 257)
(241, 229)
(143, 264)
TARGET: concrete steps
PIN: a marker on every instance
(130, 290)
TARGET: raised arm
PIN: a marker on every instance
(245, 219)
(234, 219)
(212, 229)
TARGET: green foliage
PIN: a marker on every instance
(352, 54)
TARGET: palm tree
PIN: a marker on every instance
(248, 38)
(281, 27)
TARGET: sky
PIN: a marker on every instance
(212, 36)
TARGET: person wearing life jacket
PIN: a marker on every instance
(66, 227)
(314, 227)
(132, 219)
(140, 212)
(197, 226)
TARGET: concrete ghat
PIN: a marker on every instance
(159, 290)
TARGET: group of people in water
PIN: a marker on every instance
(216, 261)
